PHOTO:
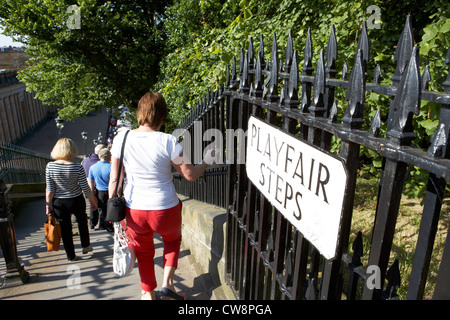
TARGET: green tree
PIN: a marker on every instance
(111, 58)
(206, 34)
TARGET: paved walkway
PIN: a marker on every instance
(43, 138)
(52, 276)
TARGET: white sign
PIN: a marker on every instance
(304, 183)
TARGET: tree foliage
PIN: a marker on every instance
(112, 59)
(204, 36)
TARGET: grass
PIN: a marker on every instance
(406, 232)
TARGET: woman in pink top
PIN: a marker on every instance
(152, 203)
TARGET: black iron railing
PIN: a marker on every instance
(210, 187)
(20, 165)
(266, 256)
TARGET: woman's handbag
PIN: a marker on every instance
(115, 206)
(124, 256)
(52, 234)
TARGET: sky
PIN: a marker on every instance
(7, 41)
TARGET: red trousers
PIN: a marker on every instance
(142, 224)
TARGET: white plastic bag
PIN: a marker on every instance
(124, 256)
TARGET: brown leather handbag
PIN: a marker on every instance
(52, 234)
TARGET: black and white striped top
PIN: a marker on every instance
(66, 180)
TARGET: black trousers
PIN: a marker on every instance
(102, 205)
(63, 208)
(94, 213)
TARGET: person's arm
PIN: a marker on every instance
(49, 203)
(189, 171)
(114, 179)
(93, 200)
(92, 184)
(116, 151)
(49, 192)
(82, 181)
(91, 181)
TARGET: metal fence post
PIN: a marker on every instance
(15, 272)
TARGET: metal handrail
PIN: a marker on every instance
(21, 165)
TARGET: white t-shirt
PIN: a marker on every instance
(147, 165)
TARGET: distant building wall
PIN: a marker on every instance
(20, 112)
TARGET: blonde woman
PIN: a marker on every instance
(66, 182)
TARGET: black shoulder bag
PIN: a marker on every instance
(115, 207)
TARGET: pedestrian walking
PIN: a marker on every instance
(152, 203)
(65, 184)
(87, 162)
(98, 181)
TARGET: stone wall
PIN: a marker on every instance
(20, 112)
(204, 236)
